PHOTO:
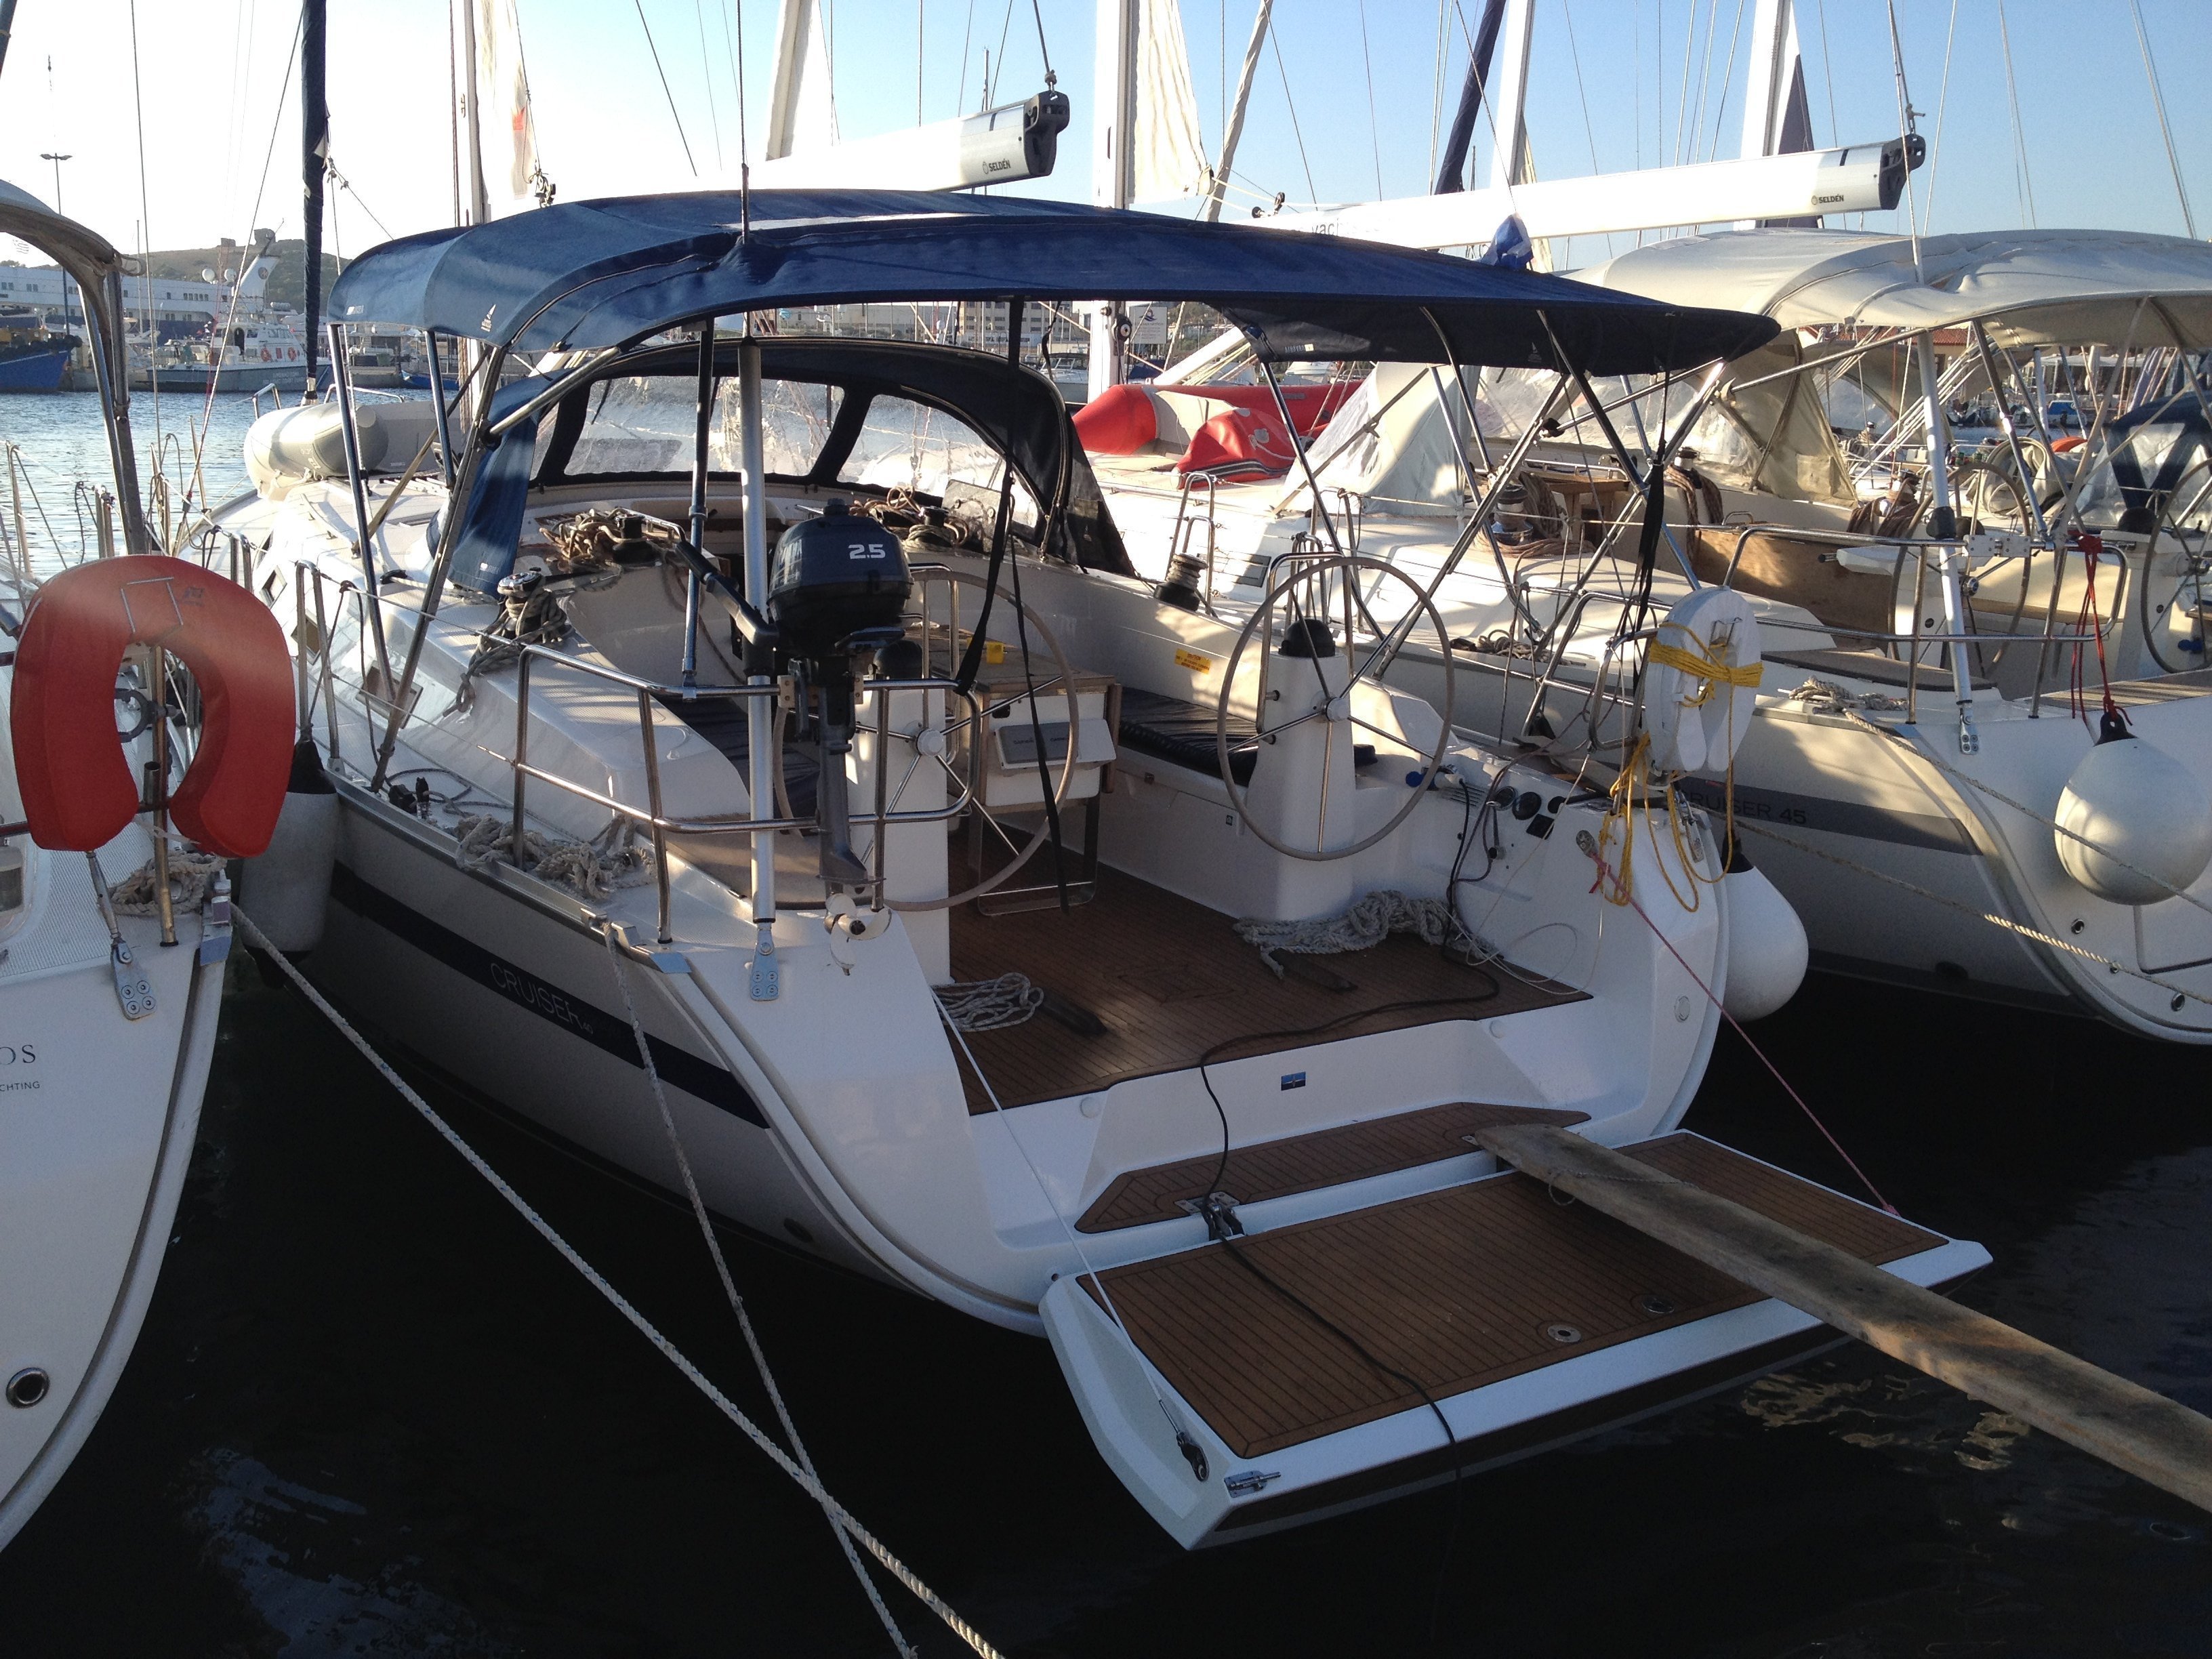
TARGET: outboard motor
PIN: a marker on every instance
(837, 591)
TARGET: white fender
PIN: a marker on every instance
(1696, 724)
(286, 891)
(1767, 952)
(2140, 807)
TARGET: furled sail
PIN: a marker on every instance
(802, 113)
(1167, 153)
(505, 174)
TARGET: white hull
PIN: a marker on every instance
(1876, 812)
(95, 1135)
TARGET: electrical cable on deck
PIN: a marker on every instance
(808, 1483)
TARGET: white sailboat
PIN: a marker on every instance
(107, 1007)
(1919, 802)
(936, 856)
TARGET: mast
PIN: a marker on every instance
(794, 19)
(1451, 166)
(474, 208)
(1112, 163)
(1235, 131)
(314, 149)
(1509, 160)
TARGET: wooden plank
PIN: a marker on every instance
(1459, 1289)
(2124, 1424)
(1303, 1164)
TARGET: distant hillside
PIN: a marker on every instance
(288, 282)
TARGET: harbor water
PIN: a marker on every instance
(372, 1413)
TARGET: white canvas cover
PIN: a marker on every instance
(1167, 156)
(2030, 287)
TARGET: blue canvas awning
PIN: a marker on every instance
(610, 273)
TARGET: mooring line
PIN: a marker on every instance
(730, 1289)
(806, 1482)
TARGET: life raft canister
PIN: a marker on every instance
(77, 788)
(1701, 684)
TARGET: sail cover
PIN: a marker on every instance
(615, 271)
(1167, 156)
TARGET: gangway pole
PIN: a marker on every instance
(2124, 1424)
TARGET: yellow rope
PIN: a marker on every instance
(1699, 662)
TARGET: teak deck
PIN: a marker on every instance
(1456, 1289)
(1169, 981)
(1300, 1163)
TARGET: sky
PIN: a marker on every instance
(180, 117)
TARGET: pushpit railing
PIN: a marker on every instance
(653, 816)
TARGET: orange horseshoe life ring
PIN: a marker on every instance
(265, 354)
(77, 788)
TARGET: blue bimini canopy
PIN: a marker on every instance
(613, 272)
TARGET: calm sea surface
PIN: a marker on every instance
(372, 1413)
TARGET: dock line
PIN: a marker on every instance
(2127, 1425)
(812, 1487)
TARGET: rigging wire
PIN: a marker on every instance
(967, 35)
(1828, 72)
(1704, 76)
(706, 78)
(1043, 51)
(991, 76)
(2023, 186)
(145, 243)
(665, 92)
(1943, 104)
(1436, 90)
(1635, 81)
(1589, 130)
(1727, 76)
(1682, 102)
(1374, 127)
(1905, 134)
(2158, 103)
(1275, 40)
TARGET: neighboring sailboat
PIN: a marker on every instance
(112, 935)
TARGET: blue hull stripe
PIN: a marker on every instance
(608, 1032)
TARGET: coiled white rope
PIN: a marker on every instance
(990, 1005)
(1368, 921)
(590, 869)
(806, 1481)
